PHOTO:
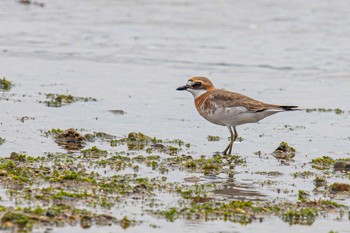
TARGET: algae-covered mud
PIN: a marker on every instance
(139, 175)
(94, 137)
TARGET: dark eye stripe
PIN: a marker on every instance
(197, 84)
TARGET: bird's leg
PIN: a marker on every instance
(231, 142)
(233, 139)
(225, 151)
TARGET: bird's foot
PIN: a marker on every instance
(225, 153)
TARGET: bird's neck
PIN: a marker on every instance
(198, 93)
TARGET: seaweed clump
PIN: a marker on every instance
(284, 151)
(70, 139)
(339, 187)
(2, 140)
(59, 100)
(337, 111)
(303, 216)
(5, 85)
(320, 181)
(342, 165)
(20, 219)
(322, 163)
(212, 138)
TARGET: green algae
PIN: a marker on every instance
(303, 174)
(213, 165)
(134, 141)
(94, 152)
(5, 85)
(18, 218)
(331, 204)
(2, 141)
(244, 212)
(213, 138)
(170, 215)
(91, 178)
(336, 110)
(133, 136)
(292, 128)
(90, 187)
(125, 222)
(342, 165)
(101, 136)
(25, 118)
(324, 162)
(339, 187)
(284, 151)
(271, 173)
(54, 132)
(303, 195)
(69, 139)
(139, 142)
(320, 181)
(23, 219)
(303, 216)
(59, 100)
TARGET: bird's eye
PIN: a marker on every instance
(197, 84)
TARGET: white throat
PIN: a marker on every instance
(196, 93)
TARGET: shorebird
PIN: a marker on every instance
(227, 108)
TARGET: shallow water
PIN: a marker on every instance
(131, 55)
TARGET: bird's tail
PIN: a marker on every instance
(279, 108)
(290, 108)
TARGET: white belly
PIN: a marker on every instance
(236, 116)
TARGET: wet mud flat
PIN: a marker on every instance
(98, 181)
(94, 137)
(139, 179)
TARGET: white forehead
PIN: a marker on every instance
(190, 82)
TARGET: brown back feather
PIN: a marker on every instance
(227, 99)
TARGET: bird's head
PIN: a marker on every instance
(197, 86)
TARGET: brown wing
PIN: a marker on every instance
(227, 99)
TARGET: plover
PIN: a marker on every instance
(228, 108)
